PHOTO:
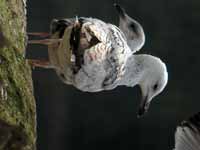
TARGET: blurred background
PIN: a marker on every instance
(71, 120)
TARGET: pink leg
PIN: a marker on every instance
(45, 41)
(40, 34)
(40, 63)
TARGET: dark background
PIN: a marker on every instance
(71, 120)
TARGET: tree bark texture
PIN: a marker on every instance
(17, 104)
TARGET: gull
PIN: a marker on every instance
(93, 56)
(132, 30)
(187, 136)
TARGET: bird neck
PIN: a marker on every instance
(133, 71)
(137, 68)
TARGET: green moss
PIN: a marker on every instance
(12, 18)
(18, 109)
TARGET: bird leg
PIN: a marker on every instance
(40, 63)
(45, 41)
(40, 34)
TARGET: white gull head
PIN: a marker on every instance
(153, 79)
(150, 73)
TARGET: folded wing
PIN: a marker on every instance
(187, 135)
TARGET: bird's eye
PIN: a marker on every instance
(133, 27)
(155, 87)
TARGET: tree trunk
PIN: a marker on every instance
(17, 104)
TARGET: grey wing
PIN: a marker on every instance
(187, 135)
(132, 30)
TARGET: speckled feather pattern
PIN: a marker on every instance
(104, 63)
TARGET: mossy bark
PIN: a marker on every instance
(17, 104)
